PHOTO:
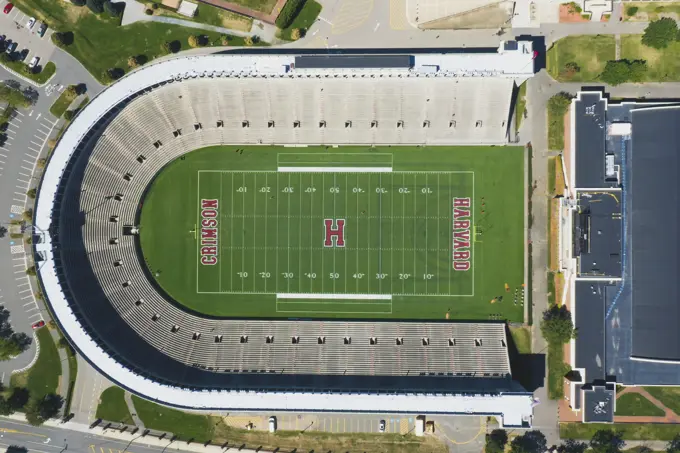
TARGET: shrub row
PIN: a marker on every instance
(289, 12)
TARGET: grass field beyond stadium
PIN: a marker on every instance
(390, 232)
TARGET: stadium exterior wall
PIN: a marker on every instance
(513, 409)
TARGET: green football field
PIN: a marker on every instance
(391, 232)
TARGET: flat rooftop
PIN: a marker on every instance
(655, 200)
(589, 322)
(599, 404)
(589, 142)
(598, 233)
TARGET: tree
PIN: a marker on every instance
(38, 411)
(660, 33)
(673, 445)
(10, 347)
(112, 9)
(572, 446)
(132, 62)
(224, 39)
(631, 11)
(95, 6)
(621, 71)
(5, 407)
(69, 114)
(193, 41)
(71, 91)
(530, 442)
(28, 215)
(62, 39)
(557, 326)
(148, 12)
(30, 270)
(165, 47)
(570, 69)
(78, 2)
(18, 398)
(495, 441)
(606, 441)
(295, 34)
(3, 231)
(248, 41)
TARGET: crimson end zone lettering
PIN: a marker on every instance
(209, 232)
(334, 236)
(461, 234)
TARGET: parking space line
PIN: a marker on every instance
(36, 144)
(33, 316)
(16, 111)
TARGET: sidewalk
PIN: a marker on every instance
(133, 412)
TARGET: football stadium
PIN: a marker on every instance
(274, 232)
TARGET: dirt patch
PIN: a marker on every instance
(174, 4)
(559, 175)
(570, 15)
(236, 21)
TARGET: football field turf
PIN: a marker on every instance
(391, 232)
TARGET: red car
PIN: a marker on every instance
(8, 8)
(38, 325)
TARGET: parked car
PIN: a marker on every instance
(34, 62)
(2, 38)
(42, 29)
(11, 47)
(38, 325)
(272, 424)
(8, 8)
(22, 55)
(30, 23)
(381, 427)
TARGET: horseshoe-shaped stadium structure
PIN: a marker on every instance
(107, 304)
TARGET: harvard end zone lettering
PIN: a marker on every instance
(334, 237)
(461, 234)
(209, 232)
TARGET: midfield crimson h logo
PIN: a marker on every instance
(335, 237)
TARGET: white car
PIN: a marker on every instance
(30, 23)
(272, 424)
(34, 62)
(381, 426)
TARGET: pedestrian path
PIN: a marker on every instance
(133, 412)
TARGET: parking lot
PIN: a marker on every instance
(13, 26)
(331, 423)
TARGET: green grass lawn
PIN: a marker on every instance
(43, 377)
(629, 431)
(669, 396)
(555, 131)
(265, 6)
(638, 405)
(72, 374)
(662, 65)
(100, 43)
(521, 107)
(557, 369)
(522, 338)
(304, 20)
(39, 77)
(185, 425)
(62, 103)
(591, 53)
(112, 407)
(398, 230)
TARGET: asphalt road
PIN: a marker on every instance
(56, 440)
